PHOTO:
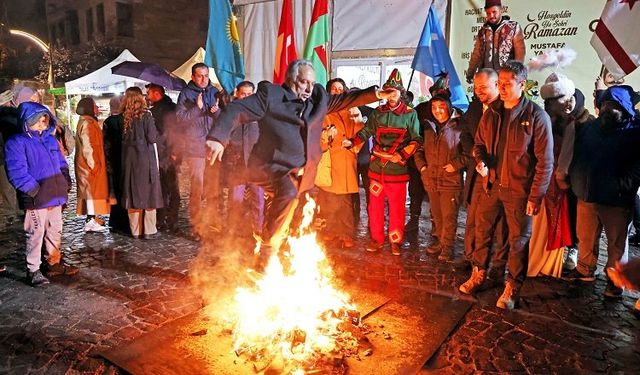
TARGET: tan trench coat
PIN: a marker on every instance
(90, 168)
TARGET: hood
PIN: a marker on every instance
(623, 95)
(29, 111)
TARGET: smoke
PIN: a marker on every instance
(553, 59)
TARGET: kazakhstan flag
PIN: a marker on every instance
(223, 45)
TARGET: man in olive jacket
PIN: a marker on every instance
(287, 152)
(514, 155)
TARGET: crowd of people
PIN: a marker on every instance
(540, 184)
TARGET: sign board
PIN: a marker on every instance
(547, 24)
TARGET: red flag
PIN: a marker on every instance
(285, 45)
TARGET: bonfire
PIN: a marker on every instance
(294, 320)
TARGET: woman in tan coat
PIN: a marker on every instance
(335, 198)
(90, 167)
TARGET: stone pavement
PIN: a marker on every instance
(129, 287)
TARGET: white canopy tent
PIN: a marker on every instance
(102, 81)
(184, 70)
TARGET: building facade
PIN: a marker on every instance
(166, 32)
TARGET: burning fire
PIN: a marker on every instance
(293, 314)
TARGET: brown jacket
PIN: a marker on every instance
(528, 149)
(344, 163)
(491, 49)
(90, 166)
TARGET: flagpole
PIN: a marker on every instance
(410, 79)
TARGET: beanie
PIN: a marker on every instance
(557, 85)
(492, 3)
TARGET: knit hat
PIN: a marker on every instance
(86, 107)
(557, 85)
(492, 3)
(394, 81)
(441, 86)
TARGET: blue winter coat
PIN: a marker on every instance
(35, 165)
(195, 121)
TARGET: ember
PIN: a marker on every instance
(295, 321)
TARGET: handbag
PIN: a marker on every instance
(323, 173)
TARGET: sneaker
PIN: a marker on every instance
(60, 268)
(153, 236)
(446, 254)
(575, 275)
(395, 248)
(374, 246)
(510, 296)
(99, 221)
(570, 258)
(93, 226)
(612, 291)
(36, 278)
(475, 281)
(634, 239)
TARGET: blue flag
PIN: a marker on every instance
(432, 57)
(223, 45)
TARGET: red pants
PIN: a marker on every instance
(396, 194)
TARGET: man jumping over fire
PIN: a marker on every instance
(287, 152)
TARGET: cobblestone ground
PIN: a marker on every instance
(130, 287)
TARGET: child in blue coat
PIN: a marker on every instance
(38, 171)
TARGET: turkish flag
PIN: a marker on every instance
(285, 45)
(614, 40)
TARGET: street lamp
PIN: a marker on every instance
(43, 46)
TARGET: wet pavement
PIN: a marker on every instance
(128, 287)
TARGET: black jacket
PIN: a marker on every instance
(606, 164)
(529, 148)
(289, 128)
(441, 147)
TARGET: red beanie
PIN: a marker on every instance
(492, 3)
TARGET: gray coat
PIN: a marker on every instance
(140, 174)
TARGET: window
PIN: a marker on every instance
(89, 23)
(100, 18)
(74, 27)
(124, 14)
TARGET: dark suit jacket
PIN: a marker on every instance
(290, 129)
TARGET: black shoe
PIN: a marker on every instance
(36, 278)
(153, 236)
(574, 275)
(612, 291)
(374, 246)
(60, 269)
(395, 248)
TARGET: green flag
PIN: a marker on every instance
(315, 49)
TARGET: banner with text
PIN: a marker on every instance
(547, 24)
